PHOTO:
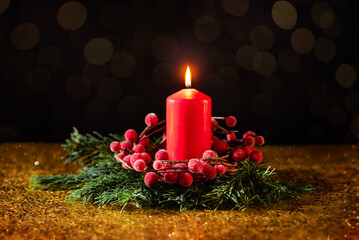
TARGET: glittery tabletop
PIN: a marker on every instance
(330, 212)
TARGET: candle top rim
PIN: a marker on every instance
(188, 94)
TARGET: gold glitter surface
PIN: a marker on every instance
(330, 212)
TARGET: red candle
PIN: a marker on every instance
(188, 123)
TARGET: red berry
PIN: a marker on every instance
(249, 141)
(139, 165)
(253, 148)
(259, 140)
(249, 133)
(185, 179)
(221, 169)
(209, 153)
(161, 155)
(220, 147)
(238, 154)
(231, 121)
(247, 150)
(213, 126)
(209, 172)
(127, 160)
(203, 166)
(157, 165)
(139, 148)
(151, 119)
(126, 145)
(131, 135)
(256, 156)
(194, 165)
(151, 179)
(135, 157)
(115, 146)
(121, 155)
(145, 141)
(171, 178)
(214, 139)
(231, 137)
(146, 157)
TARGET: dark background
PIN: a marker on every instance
(102, 65)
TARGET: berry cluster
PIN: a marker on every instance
(135, 153)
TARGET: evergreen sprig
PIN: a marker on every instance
(103, 181)
(88, 148)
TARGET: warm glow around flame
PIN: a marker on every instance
(188, 78)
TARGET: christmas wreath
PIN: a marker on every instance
(135, 169)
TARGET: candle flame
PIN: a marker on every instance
(188, 77)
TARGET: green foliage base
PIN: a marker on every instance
(103, 181)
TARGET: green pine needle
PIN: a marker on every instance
(103, 181)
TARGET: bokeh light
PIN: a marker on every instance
(289, 60)
(72, 15)
(236, 7)
(109, 90)
(245, 55)
(325, 49)
(264, 64)
(125, 59)
(335, 29)
(284, 14)
(98, 51)
(322, 14)
(206, 29)
(38, 79)
(302, 40)
(346, 75)
(77, 87)
(164, 48)
(25, 36)
(80, 37)
(123, 64)
(4, 4)
(262, 37)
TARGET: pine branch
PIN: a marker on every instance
(103, 181)
(88, 148)
(108, 188)
(251, 185)
(72, 181)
